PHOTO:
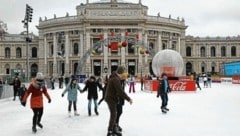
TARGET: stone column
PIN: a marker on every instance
(140, 61)
(105, 52)
(54, 55)
(45, 54)
(88, 46)
(145, 41)
(67, 45)
(159, 41)
(81, 44)
(123, 51)
(179, 45)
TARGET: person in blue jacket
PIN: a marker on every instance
(163, 91)
(72, 89)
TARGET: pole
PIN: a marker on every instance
(27, 53)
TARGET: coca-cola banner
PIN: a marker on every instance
(175, 85)
(236, 79)
(182, 85)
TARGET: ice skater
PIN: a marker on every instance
(131, 82)
(72, 89)
(113, 92)
(163, 91)
(91, 86)
(197, 82)
(36, 89)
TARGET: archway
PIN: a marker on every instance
(188, 68)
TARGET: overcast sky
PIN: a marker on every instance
(203, 17)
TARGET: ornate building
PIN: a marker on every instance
(64, 41)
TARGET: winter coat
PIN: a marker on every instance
(115, 90)
(72, 92)
(91, 86)
(16, 84)
(161, 88)
(36, 100)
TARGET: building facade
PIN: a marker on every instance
(64, 42)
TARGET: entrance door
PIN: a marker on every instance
(131, 67)
(97, 67)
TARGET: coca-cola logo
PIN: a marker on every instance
(178, 86)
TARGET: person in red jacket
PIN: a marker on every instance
(36, 89)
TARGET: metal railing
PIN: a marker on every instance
(6, 91)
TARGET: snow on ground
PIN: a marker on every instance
(210, 112)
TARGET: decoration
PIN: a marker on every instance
(141, 51)
(124, 44)
(167, 59)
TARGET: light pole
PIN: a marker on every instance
(27, 19)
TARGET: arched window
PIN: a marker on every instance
(18, 52)
(203, 67)
(223, 51)
(213, 52)
(188, 68)
(233, 51)
(34, 52)
(188, 51)
(213, 67)
(7, 68)
(7, 52)
(203, 52)
(75, 49)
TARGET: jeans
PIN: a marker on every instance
(164, 98)
(90, 105)
(74, 105)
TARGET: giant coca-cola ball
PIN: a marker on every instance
(168, 61)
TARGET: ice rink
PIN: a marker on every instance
(212, 111)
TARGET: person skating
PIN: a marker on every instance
(72, 89)
(104, 90)
(197, 82)
(131, 82)
(113, 92)
(16, 85)
(91, 86)
(163, 91)
(36, 89)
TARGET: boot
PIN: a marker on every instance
(96, 111)
(39, 125)
(118, 128)
(110, 133)
(89, 113)
(34, 129)
(165, 108)
(76, 114)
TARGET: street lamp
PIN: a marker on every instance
(27, 19)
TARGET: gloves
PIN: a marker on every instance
(23, 103)
(62, 95)
(49, 101)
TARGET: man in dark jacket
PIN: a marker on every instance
(163, 91)
(16, 85)
(113, 92)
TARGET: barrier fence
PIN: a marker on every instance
(6, 91)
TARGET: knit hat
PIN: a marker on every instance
(40, 76)
(120, 69)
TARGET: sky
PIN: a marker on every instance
(203, 17)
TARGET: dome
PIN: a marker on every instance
(169, 62)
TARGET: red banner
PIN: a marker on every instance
(236, 79)
(175, 85)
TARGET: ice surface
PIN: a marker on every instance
(211, 112)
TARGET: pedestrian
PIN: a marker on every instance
(72, 89)
(91, 86)
(60, 79)
(163, 91)
(209, 80)
(1, 87)
(197, 82)
(22, 91)
(16, 85)
(131, 82)
(142, 81)
(36, 89)
(205, 80)
(104, 89)
(113, 92)
(52, 80)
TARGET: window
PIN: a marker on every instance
(174, 45)
(130, 48)
(75, 49)
(7, 52)
(203, 52)
(233, 51)
(164, 46)
(213, 52)
(151, 46)
(188, 51)
(223, 51)
(34, 52)
(51, 49)
(18, 52)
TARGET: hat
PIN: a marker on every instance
(120, 69)
(40, 76)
